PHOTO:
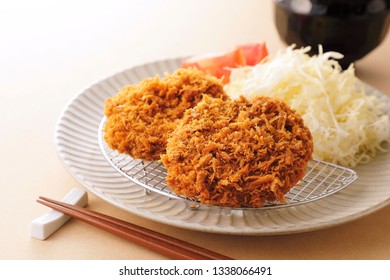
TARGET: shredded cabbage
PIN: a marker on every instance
(348, 125)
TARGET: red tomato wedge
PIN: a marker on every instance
(219, 64)
(254, 53)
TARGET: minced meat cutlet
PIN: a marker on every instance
(238, 153)
(141, 117)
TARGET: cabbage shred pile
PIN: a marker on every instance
(348, 125)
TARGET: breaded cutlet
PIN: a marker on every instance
(238, 153)
(141, 117)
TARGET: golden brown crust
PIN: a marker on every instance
(238, 153)
(141, 117)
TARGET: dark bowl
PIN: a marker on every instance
(351, 27)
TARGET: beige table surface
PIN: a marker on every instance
(50, 52)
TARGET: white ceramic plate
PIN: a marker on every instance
(76, 137)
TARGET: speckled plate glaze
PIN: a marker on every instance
(76, 138)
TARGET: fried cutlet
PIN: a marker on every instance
(238, 153)
(141, 117)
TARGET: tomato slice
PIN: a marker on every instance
(217, 64)
(220, 64)
(254, 53)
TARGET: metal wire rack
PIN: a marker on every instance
(321, 179)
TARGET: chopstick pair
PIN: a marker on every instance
(161, 243)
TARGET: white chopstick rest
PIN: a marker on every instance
(45, 225)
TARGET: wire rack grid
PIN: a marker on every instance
(321, 179)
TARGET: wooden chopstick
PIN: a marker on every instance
(161, 243)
